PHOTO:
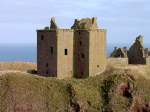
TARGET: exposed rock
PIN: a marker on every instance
(136, 53)
(119, 52)
(53, 24)
(125, 89)
(85, 23)
(74, 106)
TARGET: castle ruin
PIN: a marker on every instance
(136, 54)
(77, 52)
(119, 52)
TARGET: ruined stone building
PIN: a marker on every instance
(137, 54)
(119, 53)
(118, 56)
(77, 52)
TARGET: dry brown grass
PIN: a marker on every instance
(16, 66)
(138, 70)
(25, 92)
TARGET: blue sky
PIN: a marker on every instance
(123, 19)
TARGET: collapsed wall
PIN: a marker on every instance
(136, 53)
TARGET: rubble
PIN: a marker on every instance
(86, 23)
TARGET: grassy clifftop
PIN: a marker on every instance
(118, 89)
(16, 66)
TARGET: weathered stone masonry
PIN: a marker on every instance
(66, 53)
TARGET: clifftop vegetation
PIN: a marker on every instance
(118, 89)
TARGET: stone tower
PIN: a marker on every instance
(90, 48)
(78, 52)
(55, 52)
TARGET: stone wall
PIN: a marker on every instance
(52, 60)
(65, 45)
(47, 53)
(117, 61)
(90, 52)
(86, 52)
(97, 52)
(136, 53)
(148, 60)
(81, 53)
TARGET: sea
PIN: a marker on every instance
(28, 52)
(18, 53)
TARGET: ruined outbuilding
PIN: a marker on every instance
(119, 53)
(77, 52)
(137, 53)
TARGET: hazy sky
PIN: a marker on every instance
(123, 19)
